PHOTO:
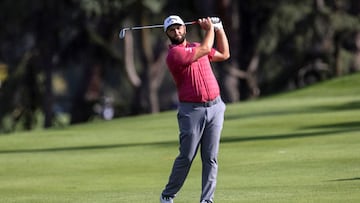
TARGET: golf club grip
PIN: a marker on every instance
(191, 23)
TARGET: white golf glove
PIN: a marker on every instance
(217, 23)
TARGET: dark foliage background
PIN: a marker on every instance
(61, 62)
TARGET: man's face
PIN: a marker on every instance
(176, 33)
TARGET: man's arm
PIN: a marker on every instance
(222, 46)
(208, 41)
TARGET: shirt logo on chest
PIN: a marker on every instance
(188, 49)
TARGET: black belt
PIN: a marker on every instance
(205, 104)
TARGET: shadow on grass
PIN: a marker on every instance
(90, 147)
(289, 136)
(344, 127)
(327, 130)
(343, 107)
(262, 114)
(345, 179)
(354, 105)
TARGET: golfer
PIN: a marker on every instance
(201, 110)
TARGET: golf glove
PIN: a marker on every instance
(217, 23)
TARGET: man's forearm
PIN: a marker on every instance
(222, 44)
(208, 40)
(207, 43)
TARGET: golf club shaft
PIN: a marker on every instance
(155, 26)
(123, 31)
(145, 27)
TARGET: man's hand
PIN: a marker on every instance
(206, 24)
(217, 23)
(218, 26)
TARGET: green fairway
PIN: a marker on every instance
(303, 146)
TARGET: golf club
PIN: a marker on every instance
(123, 31)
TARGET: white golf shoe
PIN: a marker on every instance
(166, 199)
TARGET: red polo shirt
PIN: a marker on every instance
(195, 80)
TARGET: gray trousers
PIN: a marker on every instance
(200, 125)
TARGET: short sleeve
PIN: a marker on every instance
(211, 54)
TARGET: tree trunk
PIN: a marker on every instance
(129, 60)
(230, 73)
(243, 67)
(355, 66)
(48, 94)
(146, 98)
(319, 5)
(157, 72)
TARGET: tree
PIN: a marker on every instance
(275, 45)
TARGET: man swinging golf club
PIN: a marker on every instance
(201, 110)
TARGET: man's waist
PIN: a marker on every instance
(203, 104)
(198, 96)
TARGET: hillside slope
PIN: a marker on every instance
(301, 146)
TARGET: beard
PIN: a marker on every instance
(177, 41)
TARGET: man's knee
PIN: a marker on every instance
(184, 160)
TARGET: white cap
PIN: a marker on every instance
(171, 20)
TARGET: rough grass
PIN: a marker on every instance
(302, 146)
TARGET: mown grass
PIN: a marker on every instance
(303, 146)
